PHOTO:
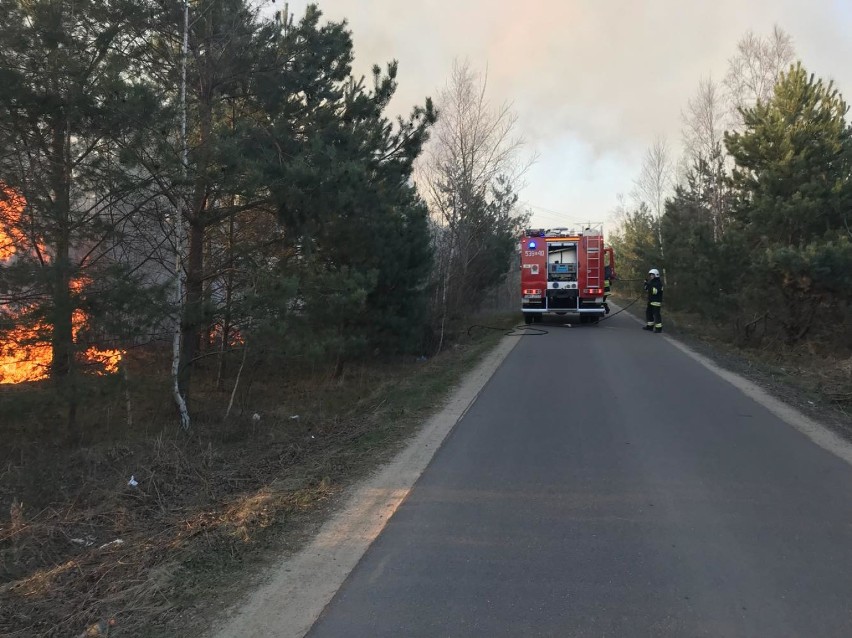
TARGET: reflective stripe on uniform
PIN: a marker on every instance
(657, 303)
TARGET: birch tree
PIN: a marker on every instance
(471, 174)
(755, 68)
(655, 182)
(704, 122)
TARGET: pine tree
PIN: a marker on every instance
(69, 98)
(698, 278)
(636, 244)
(793, 162)
(794, 190)
(340, 181)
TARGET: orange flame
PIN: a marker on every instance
(11, 238)
(25, 351)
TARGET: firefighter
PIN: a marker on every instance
(654, 286)
(607, 286)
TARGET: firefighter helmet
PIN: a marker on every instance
(654, 272)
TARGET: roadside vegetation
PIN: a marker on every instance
(752, 225)
(233, 279)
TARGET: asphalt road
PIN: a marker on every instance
(606, 484)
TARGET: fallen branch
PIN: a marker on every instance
(236, 382)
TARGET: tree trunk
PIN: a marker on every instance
(226, 319)
(208, 329)
(193, 312)
(193, 318)
(62, 337)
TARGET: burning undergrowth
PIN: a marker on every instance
(26, 334)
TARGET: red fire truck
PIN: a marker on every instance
(565, 271)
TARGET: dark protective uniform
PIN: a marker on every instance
(653, 316)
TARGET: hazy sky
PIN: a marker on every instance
(592, 81)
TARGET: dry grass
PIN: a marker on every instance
(80, 546)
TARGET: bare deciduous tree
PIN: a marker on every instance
(703, 134)
(655, 182)
(754, 70)
(655, 178)
(470, 176)
(471, 145)
(704, 120)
